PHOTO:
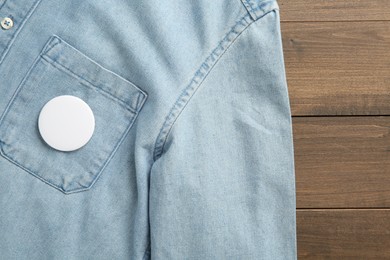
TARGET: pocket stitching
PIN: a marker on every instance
(96, 177)
(59, 41)
(141, 98)
(27, 169)
(86, 83)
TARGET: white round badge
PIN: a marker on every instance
(66, 123)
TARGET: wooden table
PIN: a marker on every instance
(337, 57)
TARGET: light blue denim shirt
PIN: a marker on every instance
(191, 155)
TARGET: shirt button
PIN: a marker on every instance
(7, 23)
(66, 123)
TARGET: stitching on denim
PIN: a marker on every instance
(10, 42)
(66, 70)
(248, 5)
(20, 86)
(12, 160)
(50, 45)
(253, 7)
(96, 177)
(262, 5)
(10, 104)
(116, 147)
(198, 79)
(80, 53)
(141, 99)
(58, 40)
(251, 4)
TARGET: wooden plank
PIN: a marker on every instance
(334, 10)
(343, 234)
(338, 68)
(342, 162)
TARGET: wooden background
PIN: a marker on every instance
(337, 57)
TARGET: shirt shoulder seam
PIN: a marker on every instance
(200, 75)
(197, 80)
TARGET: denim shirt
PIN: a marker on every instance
(191, 155)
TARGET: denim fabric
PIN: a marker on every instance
(192, 155)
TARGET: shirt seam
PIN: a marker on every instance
(200, 75)
(257, 8)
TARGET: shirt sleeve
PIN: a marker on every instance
(223, 186)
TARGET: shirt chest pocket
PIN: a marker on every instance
(61, 69)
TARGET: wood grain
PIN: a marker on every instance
(337, 59)
(338, 68)
(343, 234)
(334, 10)
(342, 162)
